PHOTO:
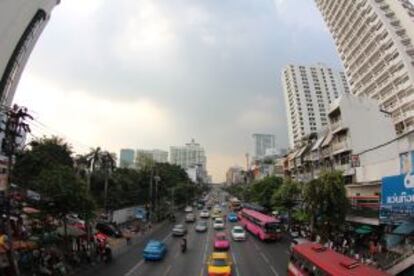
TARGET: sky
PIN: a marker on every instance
(156, 73)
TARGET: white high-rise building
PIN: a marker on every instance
(190, 155)
(308, 92)
(374, 39)
(263, 142)
(21, 23)
(143, 156)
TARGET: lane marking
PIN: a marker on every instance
(204, 259)
(264, 257)
(274, 270)
(235, 263)
(132, 270)
(167, 271)
(135, 267)
(166, 238)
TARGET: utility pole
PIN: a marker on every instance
(14, 127)
(157, 179)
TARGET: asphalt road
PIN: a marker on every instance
(250, 258)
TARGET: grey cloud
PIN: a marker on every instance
(224, 56)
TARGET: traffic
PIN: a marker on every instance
(219, 235)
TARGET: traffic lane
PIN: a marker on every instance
(277, 252)
(209, 249)
(132, 256)
(193, 261)
(175, 262)
(248, 258)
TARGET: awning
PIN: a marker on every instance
(301, 151)
(364, 229)
(71, 231)
(318, 143)
(327, 140)
(30, 210)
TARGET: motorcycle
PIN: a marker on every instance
(183, 245)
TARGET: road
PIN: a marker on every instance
(250, 258)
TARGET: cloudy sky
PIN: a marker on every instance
(155, 73)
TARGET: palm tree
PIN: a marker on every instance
(108, 161)
(93, 159)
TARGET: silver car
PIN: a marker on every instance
(179, 230)
(190, 217)
(201, 226)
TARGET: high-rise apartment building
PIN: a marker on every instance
(21, 23)
(142, 157)
(262, 142)
(192, 154)
(374, 39)
(126, 158)
(308, 91)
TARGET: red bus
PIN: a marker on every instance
(263, 226)
(313, 259)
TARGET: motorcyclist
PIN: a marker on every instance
(183, 244)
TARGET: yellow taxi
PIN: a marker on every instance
(219, 264)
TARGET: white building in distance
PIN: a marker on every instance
(142, 157)
(192, 154)
(308, 91)
(261, 143)
(374, 39)
(21, 23)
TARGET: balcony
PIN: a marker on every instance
(340, 146)
(345, 168)
(337, 126)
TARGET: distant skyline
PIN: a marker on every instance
(154, 74)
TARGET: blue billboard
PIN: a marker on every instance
(397, 199)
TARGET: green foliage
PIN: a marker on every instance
(262, 191)
(326, 203)
(47, 167)
(287, 195)
(42, 154)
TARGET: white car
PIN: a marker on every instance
(204, 214)
(218, 223)
(188, 209)
(238, 233)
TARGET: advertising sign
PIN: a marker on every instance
(397, 199)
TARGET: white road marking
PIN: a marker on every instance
(204, 259)
(264, 257)
(235, 263)
(166, 238)
(274, 270)
(168, 270)
(132, 270)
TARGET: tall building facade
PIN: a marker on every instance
(21, 23)
(308, 91)
(374, 39)
(192, 154)
(126, 158)
(142, 157)
(262, 142)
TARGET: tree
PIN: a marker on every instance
(326, 202)
(108, 161)
(261, 191)
(287, 196)
(41, 154)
